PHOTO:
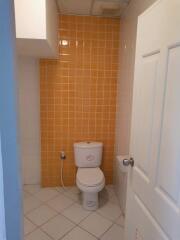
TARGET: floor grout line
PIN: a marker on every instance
(106, 231)
(88, 232)
(113, 222)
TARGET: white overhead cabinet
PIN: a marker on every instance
(37, 28)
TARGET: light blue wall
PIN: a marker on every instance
(8, 123)
(2, 213)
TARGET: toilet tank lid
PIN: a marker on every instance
(88, 144)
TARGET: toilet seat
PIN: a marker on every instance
(90, 179)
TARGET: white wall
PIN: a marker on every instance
(52, 18)
(128, 28)
(29, 118)
(30, 13)
(37, 28)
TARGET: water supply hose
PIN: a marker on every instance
(62, 158)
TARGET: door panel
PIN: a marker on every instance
(145, 106)
(168, 173)
(147, 226)
(154, 182)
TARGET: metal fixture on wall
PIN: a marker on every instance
(62, 158)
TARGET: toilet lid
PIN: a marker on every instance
(90, 176)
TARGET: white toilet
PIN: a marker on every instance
(89, 178)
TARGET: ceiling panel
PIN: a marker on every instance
(76, 7)
(110, 8)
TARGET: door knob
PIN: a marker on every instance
(127, 162)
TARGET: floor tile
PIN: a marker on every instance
(107, 194)
(28, 226)
(58, 227)
(26, 195)
(59, 189)
(31, 203)
(96, 224)
(73, 193)
(121, 221)
(110, 211)
(41, 215)
(41, 207)
(110, 191)
(75, 213)
(37, 235)
(32, 189)
(60, 203)
(78, 234)
(114, 233)
(73, 196)
(114, 200)
(45, 194)
(73, 189)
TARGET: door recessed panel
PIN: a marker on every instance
(147, 227)
(168, 174)
(144, 111)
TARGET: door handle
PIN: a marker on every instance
(127, 162)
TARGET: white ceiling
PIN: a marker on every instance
(110, 8)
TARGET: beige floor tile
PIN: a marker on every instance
(41, 206)
(37, 235)
(60, 203)
(41, 215)
(32, 189)
(73, 196)
(110, 211)
(96, 224)
(114, 233)
(45, 194)
(79, 234)
(75, 213)
(28, 226)
(31, 203)
(121, 221)
(57, 227)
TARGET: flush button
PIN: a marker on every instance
(90, 158)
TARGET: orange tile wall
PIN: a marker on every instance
(78, 95)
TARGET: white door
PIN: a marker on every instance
(153, 205)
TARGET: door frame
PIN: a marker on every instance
(12, 188)
(2, 210)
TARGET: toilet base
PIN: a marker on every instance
(90, 201)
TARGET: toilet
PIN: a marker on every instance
(89, 178)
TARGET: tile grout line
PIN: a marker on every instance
(86, 229)
(113, 222)
(45, 221)
(36, 227)
(106, 231)
(46, 202)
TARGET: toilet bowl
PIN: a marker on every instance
(89, 178)
(90, 181)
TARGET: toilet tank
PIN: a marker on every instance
(88, 154)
